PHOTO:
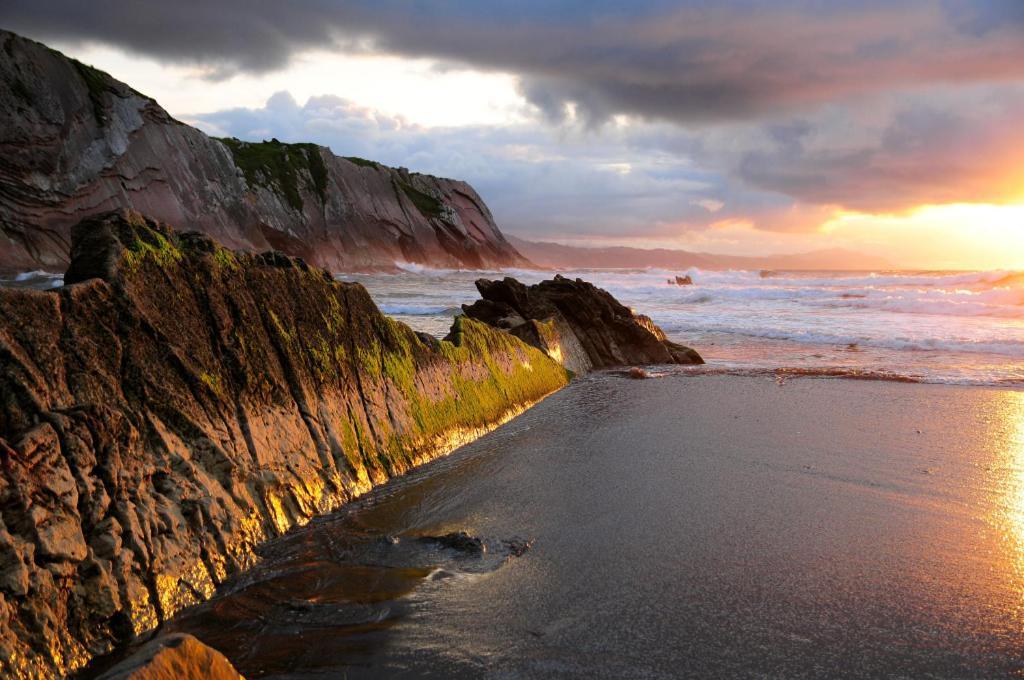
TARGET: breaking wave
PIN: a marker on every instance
(930, 326)
(420, 310)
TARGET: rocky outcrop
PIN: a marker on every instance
(577, 324)
(75, 142)
(174, 657)
(179, 403)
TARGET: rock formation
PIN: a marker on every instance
(178, 403)
(174, 657)
(686, 280)
(75, 142)
(576, 323)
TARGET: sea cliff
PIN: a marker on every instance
(74, 141)
(177, 403)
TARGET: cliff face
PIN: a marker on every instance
(75, 142)
(179, 403)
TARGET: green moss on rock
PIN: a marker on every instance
(425, 203)
(149, 244)
(98, 84)
(281, 167)
(266, 389)
(362, 162)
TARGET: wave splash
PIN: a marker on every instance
(933, 326)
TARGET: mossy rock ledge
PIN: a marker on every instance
(178, 403)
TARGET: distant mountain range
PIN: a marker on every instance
(557, 256)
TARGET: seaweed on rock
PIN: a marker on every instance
(178, 403)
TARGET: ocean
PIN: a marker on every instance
(951, 327)
(962, 328)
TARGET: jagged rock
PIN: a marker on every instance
(74, 141)
(181, 403)
(174, 657)
(577, 324)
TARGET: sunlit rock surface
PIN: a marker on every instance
(174, 657)
(178, 403)
(74, 142)
(576, 323)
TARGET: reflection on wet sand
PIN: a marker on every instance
(1008, 435)
(695, 527)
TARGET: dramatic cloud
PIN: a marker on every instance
(930, 148)
(687, 62)
(651, 117)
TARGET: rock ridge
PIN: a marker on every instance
(179, 403)
(576, 323)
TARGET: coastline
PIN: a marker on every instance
(823, 523)
(177, 404)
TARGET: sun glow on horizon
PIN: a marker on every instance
(953, 236)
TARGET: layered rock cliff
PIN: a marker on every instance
(74, 142)
(178, 403)
(576, 323)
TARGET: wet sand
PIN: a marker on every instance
(712, 526)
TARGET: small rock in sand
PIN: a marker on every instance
(517, 546)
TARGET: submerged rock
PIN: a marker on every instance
(458, 540)
(638, 373)
(576, 323)
(174, 657)
(686, 280)
(75, 141)
(179, 403)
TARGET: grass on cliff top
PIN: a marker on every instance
(281, 167)
(97, 83)
(425, 203)
(362, 162)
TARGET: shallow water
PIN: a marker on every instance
(682, 526)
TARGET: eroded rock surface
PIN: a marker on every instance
(576, 323)
(180, 403)
(75, 142)
(174, 657)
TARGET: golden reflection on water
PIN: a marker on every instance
(1010, 424)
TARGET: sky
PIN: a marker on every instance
(742, 126)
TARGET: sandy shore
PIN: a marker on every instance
(710, 526)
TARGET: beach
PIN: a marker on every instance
(682, 526)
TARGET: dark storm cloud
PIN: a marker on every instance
(682, 61)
